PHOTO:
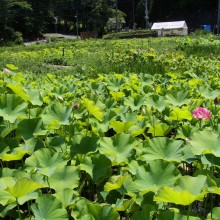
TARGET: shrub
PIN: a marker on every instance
(9, 35)
(131, 34)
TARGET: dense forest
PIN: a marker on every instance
(30, 18)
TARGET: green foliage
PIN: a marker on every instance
(130, 34)
(113, 137)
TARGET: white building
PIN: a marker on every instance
(178, 28)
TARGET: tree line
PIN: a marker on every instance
(30, 18)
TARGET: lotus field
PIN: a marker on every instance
(109, 130)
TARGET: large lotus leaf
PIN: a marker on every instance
(98, 167)
(48, 208)
(15, 154)
(93, 109)
(177, 99)
(117, 148)
(210, 160)
(35, 97)
(121, 127)
(146, 213)
(205, 142)
(6, 181)
(28, 127)
(12, 107)
(138, 129)
(104, 212)
(57, 115)
(186, 131)
(115, 182)
(32, 145)
(156, 102)
(159, 130)
(5, 209)
(214, 214)
(178, 114)
(163, 148)
(23, 188)
(19, 91)
(117, 95)
(85, 145)
(79, 208)
(6, 198)
(100, 128)
(155, 175)
(134, 102)
(64, 177)
(184, 192)
(6, 128)
(171, 215)
(67, 197)
(44, 161)
(210, 94)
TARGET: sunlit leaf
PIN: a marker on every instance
(48, 208)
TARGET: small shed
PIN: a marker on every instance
(178, 28)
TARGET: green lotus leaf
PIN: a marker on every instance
(179, 114)
(12, 67)
(115, 182)
(177, 99)
(48, 207)
(28, 127)
(79, 208)
(145, 214)
(64, 177)
(23, 188)
(56, 141)
(85, 145)
(155, 175)
(134, 102)
(159, 130)
(12, 107)
(156, 102)
(121, 127)
(184, 192)
(93, 109)
(57, 115)
(6, 181)
(5, 209)
(32, 145)
(6, 198)
(163, 148)
(205, 142)
(138, 129)
(210, 94)
(6, 128)
(117, 148)
(105, 212)
(186, 131)
(117, 95)
(214, 214)
(172, 215)
(98, 167)
(19, 91)
(16, 154)
(35, 97)
(122, 204)
(67, 197)
(44, 161)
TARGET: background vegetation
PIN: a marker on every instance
(30, 18)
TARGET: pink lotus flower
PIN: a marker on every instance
(75, 106)
(5, 70)
(202, 113)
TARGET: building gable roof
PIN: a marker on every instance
(168, 25)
